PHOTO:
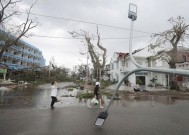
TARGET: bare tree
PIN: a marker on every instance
(97, 53)
(7, 5)
(11, 35)
(171, 38)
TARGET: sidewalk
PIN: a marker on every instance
(132, 120)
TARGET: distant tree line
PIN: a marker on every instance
(43, 75)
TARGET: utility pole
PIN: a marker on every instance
(100, 75)
(87, 72)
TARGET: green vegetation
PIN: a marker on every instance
(138, 81)
(105, 83)
(126, 81)
(106, 93)
(39, 76)
(65, 96)
(153, 82)
(70, 89)
(85, 95)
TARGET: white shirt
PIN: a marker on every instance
(53, 91)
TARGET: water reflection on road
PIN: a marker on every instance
(39, 96)
(152, 101)
(36, 96)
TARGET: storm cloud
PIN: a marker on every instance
(152, 18)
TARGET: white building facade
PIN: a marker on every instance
(121, 64)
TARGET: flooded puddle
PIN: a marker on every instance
(39, 97)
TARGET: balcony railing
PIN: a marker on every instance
(26, 51)
(15, 57)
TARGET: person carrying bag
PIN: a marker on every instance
(96, 100)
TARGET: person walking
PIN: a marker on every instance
(53, 93)
(96, 90)
(97, 95)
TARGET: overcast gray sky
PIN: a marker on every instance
(152, 18)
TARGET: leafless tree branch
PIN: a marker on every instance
(22, 28)
(173, 37)
(95, 56)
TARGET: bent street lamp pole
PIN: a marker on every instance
(132, 15)
(103, 115)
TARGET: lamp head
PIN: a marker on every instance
(101, 118)
(132, 14)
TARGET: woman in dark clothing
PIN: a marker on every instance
(96, 91)
(96, 95)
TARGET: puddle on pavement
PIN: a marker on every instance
(39, 97)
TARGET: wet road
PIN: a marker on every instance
(38, 97)
(133, 115)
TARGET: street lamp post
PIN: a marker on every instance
(133, 16)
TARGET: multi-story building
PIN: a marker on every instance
(22, 55)
(121, 64)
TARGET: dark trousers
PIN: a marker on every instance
(54, 99)
(97, 96)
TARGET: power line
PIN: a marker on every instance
(83, 38)
(93, 23)
(43, 36)
(124, 38)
